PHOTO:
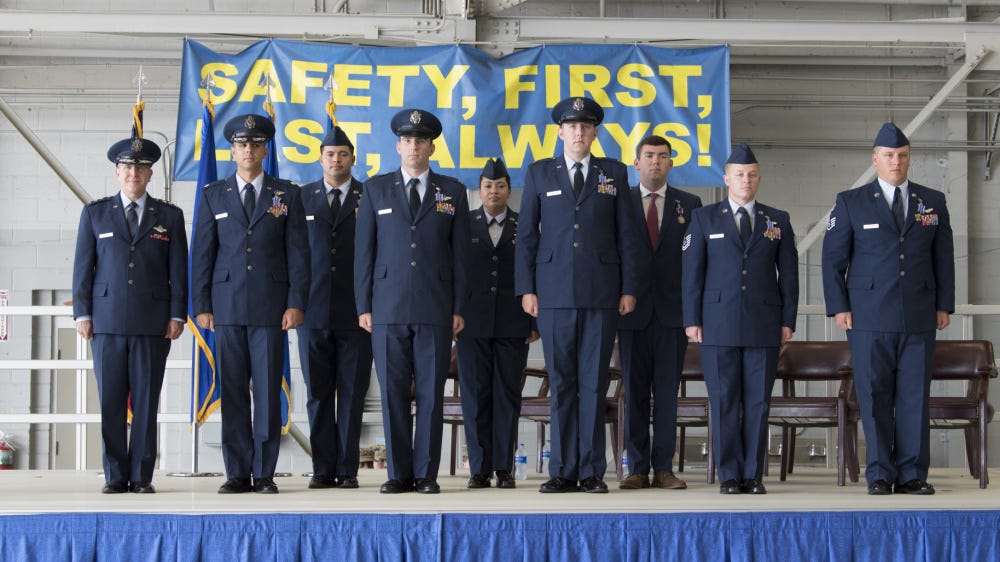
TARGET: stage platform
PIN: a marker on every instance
(61, 515)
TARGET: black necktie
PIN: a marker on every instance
(745, 227)
(132, 217)
(414, 196)
(578, 178)
(897, 209)
(249, 200)
(335, 203)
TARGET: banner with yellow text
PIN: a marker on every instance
(489, 107)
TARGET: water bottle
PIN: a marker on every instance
(546, 454)
(520, 463)
(625, 461)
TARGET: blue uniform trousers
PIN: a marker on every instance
(129, 368)
(577, 344)
(892, 373)
(411, 360)
(489, 374)
(337, 368)
(250, 355)
(739, 382)
(652, 361)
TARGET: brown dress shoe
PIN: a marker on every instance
(666, 480)
(635, 482)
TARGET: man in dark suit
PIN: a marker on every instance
(410, 287)
(651, 340)
(890, 307)
(575, 268)
(250, 282)
(493, 348)
(129, 301)
(336, 354)
(740, 298)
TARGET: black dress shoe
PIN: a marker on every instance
(879, 488)
(730, 487)
(558, 485)
(396, 487)
(753, 486)
(114, 488)
(322, 482)
(347, 482)
(142, 488)
(505, 479)
(236, 486)
(915, 486)
(479, 481)
(594, 485)
(265, 486)
(427, 486)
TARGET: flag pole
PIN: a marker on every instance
(195, 473)
(196, 367)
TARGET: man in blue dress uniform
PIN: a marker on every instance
(336, 354)
(493, 348)
(740, 297)
(651, 340)
(410, 287)
(129, 301)
(249, 283)
(889, 281)
(576, 266)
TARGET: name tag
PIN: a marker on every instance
(384, 211)
(310, 217)
(719, 235)
(870, 226)
(106, 235)
(553, 193)
(221, 216)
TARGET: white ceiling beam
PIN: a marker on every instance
(627, 30)
(290, 26)
(537, 29)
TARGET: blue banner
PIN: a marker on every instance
(488, 106)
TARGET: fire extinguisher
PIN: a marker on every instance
(6, 453)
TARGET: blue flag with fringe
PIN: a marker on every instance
(205, 390)
(271, 169)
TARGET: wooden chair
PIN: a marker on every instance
(810, 362)
(973, 362)
(538, 408)
(451, 406)
(693, 411)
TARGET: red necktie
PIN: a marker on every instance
(652, 220)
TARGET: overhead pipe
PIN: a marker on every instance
(45, 153)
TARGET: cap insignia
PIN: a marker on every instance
(578, 104)
(415, 117)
